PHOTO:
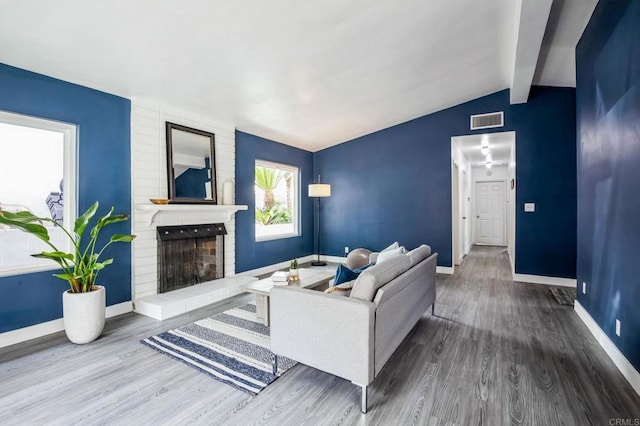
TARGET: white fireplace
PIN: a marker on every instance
(149, 180)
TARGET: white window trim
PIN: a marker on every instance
(69, 184)
(295, 202)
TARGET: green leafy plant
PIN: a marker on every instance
(80, 268)
(268, 179)
(294, 264)
(275, 215)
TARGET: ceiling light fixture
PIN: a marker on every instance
(484, 147)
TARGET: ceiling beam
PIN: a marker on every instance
(531, 22)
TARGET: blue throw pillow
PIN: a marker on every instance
(344, 274)
(362, 268)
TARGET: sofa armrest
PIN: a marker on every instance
(331, 333)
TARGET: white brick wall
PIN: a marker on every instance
(149, 180)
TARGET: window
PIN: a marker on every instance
(37, 173)
(277, 201)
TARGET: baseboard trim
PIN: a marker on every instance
(334, 259)
(512, 264)
(626, 368)
(34, 331)
(119, 309)
(542, 279)
(444, 270)
(468, 249)
(275, 267)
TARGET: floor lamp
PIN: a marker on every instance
(319, 190)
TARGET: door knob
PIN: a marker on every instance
(464, 217)
(477, 217)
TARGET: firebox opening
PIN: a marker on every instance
(189, 255)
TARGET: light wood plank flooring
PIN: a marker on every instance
(497, 352)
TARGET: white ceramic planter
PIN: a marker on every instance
(84, 314)
(294, 274)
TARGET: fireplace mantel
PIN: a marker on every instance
(218, 213)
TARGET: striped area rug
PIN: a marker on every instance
(232, 347)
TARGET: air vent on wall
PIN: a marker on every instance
(487, 121)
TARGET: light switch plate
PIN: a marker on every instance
(618, 328)
(529, 207)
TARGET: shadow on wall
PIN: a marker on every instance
(609, 168)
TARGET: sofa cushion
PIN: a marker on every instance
(419, 254)
(385, 255)
(390, 247)
(368, 283)
(344, 274)
(373, 257)
(343, 289)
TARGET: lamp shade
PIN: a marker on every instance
(319, 190)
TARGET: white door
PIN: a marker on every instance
(456, 216)
(466, 212)
(490, 211)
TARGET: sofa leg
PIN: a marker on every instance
(274, 364)
(433, 308)
(363, 402)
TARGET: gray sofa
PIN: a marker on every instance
(353, 337)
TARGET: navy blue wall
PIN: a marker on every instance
(249, 253)
(608, 112)
(103, 122)
(395, 184)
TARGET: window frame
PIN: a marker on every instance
(69, 184)
(295, 203)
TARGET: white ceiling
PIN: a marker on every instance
(500, 146)
(309, 74)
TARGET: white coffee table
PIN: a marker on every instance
(309, 278)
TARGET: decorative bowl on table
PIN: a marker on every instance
(159, 200)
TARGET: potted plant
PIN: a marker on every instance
(293, 270)
(84, 304)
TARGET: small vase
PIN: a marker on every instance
(227, 192)
(294, 274)
(84, 314)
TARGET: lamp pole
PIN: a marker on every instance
(319, 190)
(318, 262)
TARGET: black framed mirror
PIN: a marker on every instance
(191, 165)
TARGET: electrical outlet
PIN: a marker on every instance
(346, 250)
(584, 287)
(618, 328)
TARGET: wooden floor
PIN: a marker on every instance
(497, 352)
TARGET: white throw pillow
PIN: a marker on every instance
(388, 254)
(391, 247)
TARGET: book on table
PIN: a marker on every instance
(279, 277)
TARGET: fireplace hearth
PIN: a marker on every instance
(189, 255)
